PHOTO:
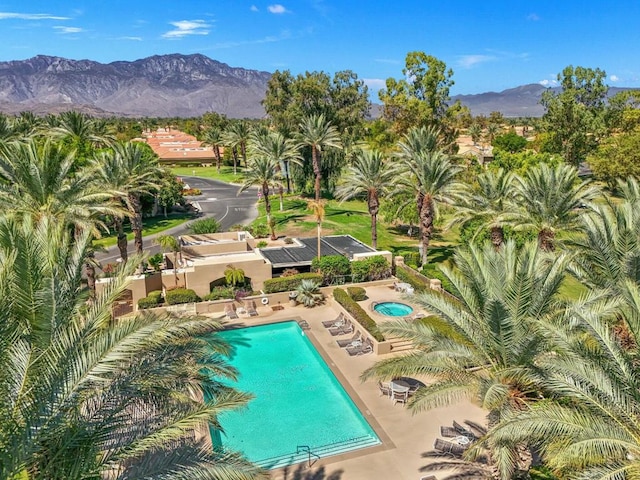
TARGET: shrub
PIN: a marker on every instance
(289, 272)
(181, 295)
(191, 192)
(109, 269)
(204, 226)
(370, 269)
(410, 276)
(262, 244)
(260, 230)
(286, 284)
(309, 293)
(238, 227)
(288, 240)
(357, 312)
(331, 267)
(150, 301)
(411, 257)
(219, 293)
(156, 261)
(432, 271)
(357, 293)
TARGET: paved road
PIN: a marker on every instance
(218, 200)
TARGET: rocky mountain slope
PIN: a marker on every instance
(158, 86)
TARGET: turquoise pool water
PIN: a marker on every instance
(298, 401)
(393, 309)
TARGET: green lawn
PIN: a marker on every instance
(150, 226)
(225, 174)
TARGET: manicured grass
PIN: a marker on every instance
(225, 175)
(150, 226)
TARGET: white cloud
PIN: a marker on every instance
(30, 16)
(253, 8)
(136, 39)
(533, 17)
(375, 83)
(614, 78)
(68, 30)
(391, 61)
(548, 83)
(277, 9)
(470, 61)
(187, 27)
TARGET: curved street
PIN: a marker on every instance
(219, 200)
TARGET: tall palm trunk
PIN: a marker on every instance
(319, 236)
(216, 149)
(243, 152)
(315, 157)
(90, 273)
(497, 236)
(281, 193)
(267, 208)
(426, 213)
(234, 153)
(374, 207)
(136, 221)
(175, 266)
(122, 240)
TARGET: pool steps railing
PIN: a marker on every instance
(301, 454)
(307, 448)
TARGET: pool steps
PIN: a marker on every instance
(303, 454)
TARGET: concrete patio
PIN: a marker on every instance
(405, 436)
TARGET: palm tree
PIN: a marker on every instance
(475, 131)
(86, 397)
(234, 276)
(429, 175)
(263, 171)
(236, 137)
(129, 169)
(213, 137)
(317, 209)
(549, 199)
(590, 426)
(368, 175)
(282, 151)
(171, 243)
(488, 202)
(38, 181)
(80, 132)
(483, 343)
(316, 132)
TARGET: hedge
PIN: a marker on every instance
(181, 295)
(331, 266)
(357, 312)
(286, 284)
(150, 301)
(370, 269)
(220, 292)
(416, 280)
(357, 293)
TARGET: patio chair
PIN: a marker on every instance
(399, 397)
(463, 430)
(448, 432)
(331, 323)
(343, 330)
(251, 308)
(449, 448)
(230, 311)
(385, 388)
(366, 347)
(348, 341)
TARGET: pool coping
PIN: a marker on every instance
(385, 440)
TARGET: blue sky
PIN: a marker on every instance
(490, 45)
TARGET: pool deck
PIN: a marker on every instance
(405, 436)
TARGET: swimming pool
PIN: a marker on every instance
(393, 309)
(298, 401)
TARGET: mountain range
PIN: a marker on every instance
(180, 86)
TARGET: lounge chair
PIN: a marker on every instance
(343, 330)
(449, 448)
(366, 347)
(385, 388)
(448, 432)
(399, 397)
(251, 308)
(331, 323)
(230, 311)
(349, 341)
(463, 430)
